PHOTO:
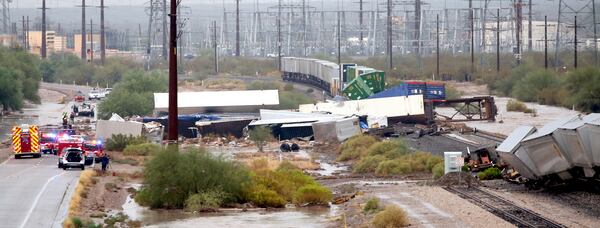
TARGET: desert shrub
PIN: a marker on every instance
(583, 86)
(391, 216)
(452, 93)
(490, 173)
(368, 164)
(371, 206)
(293, 99)
(76, 222)
(517, 106)
(119, 142)
(267, 198)
(438, 170)
(275, 188)
(171, 177)
(205, 201)
(143, 149)
(310, 90)
(389, 149)
(286, 165)
(114, 219)
(260, 136)
(355, 147)
(312, 194)
(432, 161)
(529, 88)
(393, 167)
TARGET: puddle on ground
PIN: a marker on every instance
(289, 217)
(328, 169)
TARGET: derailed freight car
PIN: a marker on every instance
(562, 150)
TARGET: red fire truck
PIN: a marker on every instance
(25, 140)
(66, 141)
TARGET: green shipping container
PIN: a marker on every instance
(375, 80)
(357, 89)
(355, 71)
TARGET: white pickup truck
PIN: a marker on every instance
(96, 94)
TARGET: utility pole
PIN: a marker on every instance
(389, 35)
(164, 30)
(27, 33)
(24, 35)
(44, 44)
(83, 35)
(279, 35)
(417, 27)
(519, 29)
(173, 132)
(595, 33)
(304, 27)
(575, 45)
(102, 34)
(498, 41)
(91, 42)
(546, 42)
(529, 28)
(237, 27)
(339, 47)
(437, 45)
(360, 22)
(339, 39)
(472, 34)
(214, 37)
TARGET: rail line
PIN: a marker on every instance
(503, 208)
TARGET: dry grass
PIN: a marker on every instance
(391, 217)
(271, 162)
(86, 179)
(517, 106)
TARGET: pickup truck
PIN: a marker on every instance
(96, 94)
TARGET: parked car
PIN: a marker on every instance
(72, 158)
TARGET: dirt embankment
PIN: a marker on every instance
(109, 191)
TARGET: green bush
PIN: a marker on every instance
(312, 194)
(432, 161)
(583, 86)
(119, 142)
(389, 149)
(438, 170)
(391, 216)
(267, 198)
(260, 136)
(517, 106)
(530, 87)
(355, 147)
(393, 167)
(293, 99)
(205, 201)
(371, 206)
(490, 174)
(143, 149)
(171, 177)
(368, 164)
(310, 90)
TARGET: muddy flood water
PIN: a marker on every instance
(289, 217)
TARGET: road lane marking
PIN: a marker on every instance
(37, 198)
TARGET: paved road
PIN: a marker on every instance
(34, 192)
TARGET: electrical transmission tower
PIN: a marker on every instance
(5, 19)
(156, 41)
(586, 27)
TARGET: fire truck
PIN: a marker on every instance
(25, 140)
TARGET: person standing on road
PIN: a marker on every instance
(105, 161)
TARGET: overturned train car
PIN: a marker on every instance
(321, 74)
(563, 150)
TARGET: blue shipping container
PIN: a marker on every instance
(430, 91)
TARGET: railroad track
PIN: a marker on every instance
(503, 208)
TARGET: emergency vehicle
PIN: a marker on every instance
(25, 140)
(66, 141)
(94, 149)
(48, 139)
